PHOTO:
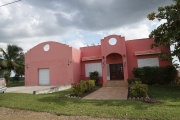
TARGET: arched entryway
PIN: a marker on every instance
(114, 63)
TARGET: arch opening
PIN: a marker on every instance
(114, 63)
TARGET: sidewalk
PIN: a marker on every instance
(108, 93)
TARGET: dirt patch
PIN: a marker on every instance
(16, 114)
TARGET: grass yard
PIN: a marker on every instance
(15, 84)
(53, 103)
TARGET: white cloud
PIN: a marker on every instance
(3, 46)
(28, 43)
(30, 22)
(134, 32)
(76, 43)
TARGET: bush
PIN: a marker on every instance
(94, 76)
(139, 90)
(83, 86)
(132, 81)
(90, 84)
(155, 75)
(77, 89)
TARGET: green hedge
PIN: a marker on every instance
(83, 86)
(155, 75)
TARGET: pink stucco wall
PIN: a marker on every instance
(87, 52)
(142, 45)
(56, 59)
(119, 48)
(76, 54)
(67, 64)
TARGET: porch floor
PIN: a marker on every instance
(109, 93)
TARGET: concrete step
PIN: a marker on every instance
(115, 83)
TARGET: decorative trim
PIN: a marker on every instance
(147, 52)
(91, 58)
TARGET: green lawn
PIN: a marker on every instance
(53, 103)
(15, 84)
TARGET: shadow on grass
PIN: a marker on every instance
(165, 93)
(162, 93)
(15, 84)
(61, 100)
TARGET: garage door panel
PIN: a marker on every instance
(91, 67)
(148, 62)
(44, 77)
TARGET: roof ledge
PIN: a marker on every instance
(147, 52)
(91, 58)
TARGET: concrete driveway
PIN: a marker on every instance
(37, 89)
(26, 89)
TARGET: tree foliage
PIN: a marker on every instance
(167, 33)
(13, 60)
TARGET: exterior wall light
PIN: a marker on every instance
(69, 61)
(26, 65)
(124, 62)
(113, 57)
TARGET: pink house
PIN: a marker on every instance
(52, 63)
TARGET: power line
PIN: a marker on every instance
(10, 3)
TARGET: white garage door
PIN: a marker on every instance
(43, 76)
(148, 62)
(91, 67)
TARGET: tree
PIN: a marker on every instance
(20, 61)
(13, 60)
(167, 33)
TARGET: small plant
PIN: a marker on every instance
(77, 89)
(94, 76)
(139, 90)
(83, 86)
(90, 85)
(132, 81)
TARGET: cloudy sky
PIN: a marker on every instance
(74, 22)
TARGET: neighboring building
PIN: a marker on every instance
(52, 63)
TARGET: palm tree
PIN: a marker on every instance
(20, 69)
(12, 57)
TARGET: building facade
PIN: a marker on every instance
(53, 63)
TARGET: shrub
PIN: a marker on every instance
(139, 90)
(77, 89)
(83, 86)
(155, 75)
(94, 76)
(90, 84)
(132, 81)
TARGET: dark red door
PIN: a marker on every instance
(116, 72)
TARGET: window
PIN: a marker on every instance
(93, 67)
(148, 62)
(112, 41)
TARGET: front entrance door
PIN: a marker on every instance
(116, 72)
